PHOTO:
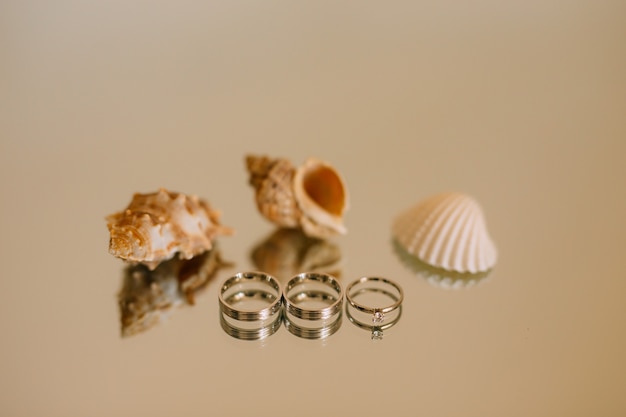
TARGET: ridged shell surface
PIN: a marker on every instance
(439, 277)
(447, 231)
(156, 226)
(272, 180)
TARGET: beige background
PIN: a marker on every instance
(520, 104)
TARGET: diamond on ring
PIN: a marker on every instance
(378, 317)
(377, 333)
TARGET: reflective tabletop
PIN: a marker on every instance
(519, 105)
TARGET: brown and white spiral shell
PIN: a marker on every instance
(313, 197)
(157, 226)
(273, 181)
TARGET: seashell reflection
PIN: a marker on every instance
(312, 196)
(287, 252)
(438, 277)
(148, 296)
(156, 226)
(447, 231)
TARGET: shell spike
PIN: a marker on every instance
(156, 226)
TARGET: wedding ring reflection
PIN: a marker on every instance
(313, 305)
(250, 305)
(374, 303)
(313, 333)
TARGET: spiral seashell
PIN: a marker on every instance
(322, 197)
(156, 226)
(273, 181)
(312, 197)
(447, 231)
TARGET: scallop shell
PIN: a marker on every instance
(313, 196)
(156, 226)
(447, 231)
(439, 277)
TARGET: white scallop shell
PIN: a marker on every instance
(439, 277)
(447, 231)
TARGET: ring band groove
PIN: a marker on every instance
(313, 314)
(247, 278)
(251, 334)
(310, 333)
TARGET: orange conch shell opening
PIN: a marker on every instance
(312, 197)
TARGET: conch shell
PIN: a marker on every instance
(313, 196)
(148, 296)
(287, 252)
(447, 231)
(156, 226)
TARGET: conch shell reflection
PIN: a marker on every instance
(287, 252)
(156, 226)
(438, 277)
(312, 197)
(148, 296)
